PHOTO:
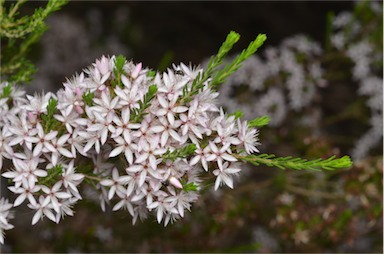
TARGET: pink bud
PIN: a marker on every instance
(79, 91)
(79, 109)
(31, 117)
(175, 182)
(136, 71)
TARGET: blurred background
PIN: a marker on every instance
(319, 77)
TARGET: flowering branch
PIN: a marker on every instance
(142, 139)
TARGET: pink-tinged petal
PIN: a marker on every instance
(136, 71)
(142, 177)
(95, 127)
(134, 168)
(38, 149)
(211, 157)
(32, 139)
(194, 160)
(97, 147)
(205, 165)
(142, 157)
(20, 199)
(126, 82)
(217, 183)
(50, 215)
(228, 157)
(164, 138)
(228, 181)
(213, 147)
(54, 158)
(157, 128)
(159, 214)
(160, 112)
(175, 182)
(162, 101)
(65, 152)
(179, 109)
(129, 156)
(50, 135)
(111, 192)
(104, 136)
(63, 195)
(106, 182)
(127, 136)
(152, 162)
(232, 170)
(118, 150)
(175, 135)
(36, 217)
(171, 118)
(16, 140)
(50, 147)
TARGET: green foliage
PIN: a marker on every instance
(88, 98)
(18, 34)
(259, 122)
(48, 121)
(296, 163)
(215, 61)
(180, 153)
(221, 75)
(6, 91)
(53, 176)
(190, 186)
(237, 114)
(119, 70)
(137, 115)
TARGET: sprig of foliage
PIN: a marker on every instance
(259, 122)
(215, 61)
(6, 91)
(221, 75)
(88, 98)
(119, 70)
(52, 176)
(180, 153)
(48, 121)
(18, 34)
(271, 160)
(137, 115)
(190, 186)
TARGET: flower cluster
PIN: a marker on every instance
(355, 37)
(285, 79)
(143, 138)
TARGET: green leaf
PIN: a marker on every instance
(190, 187)
(88, 98)
(237, 114)
(259, 122)
(6, 91)
(179, 153)
(48, 121)
(118, 70)
(221, 75)
(138, 114)
(53, 176)
(296, 163)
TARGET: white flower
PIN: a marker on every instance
(224, 175)
(116, 184)
(248, 137)
(44, 208)
(169, 108)
(5, 215)
(220, 154)
(54, 194)
(43, 141)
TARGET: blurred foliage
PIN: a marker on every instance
(18, 33)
